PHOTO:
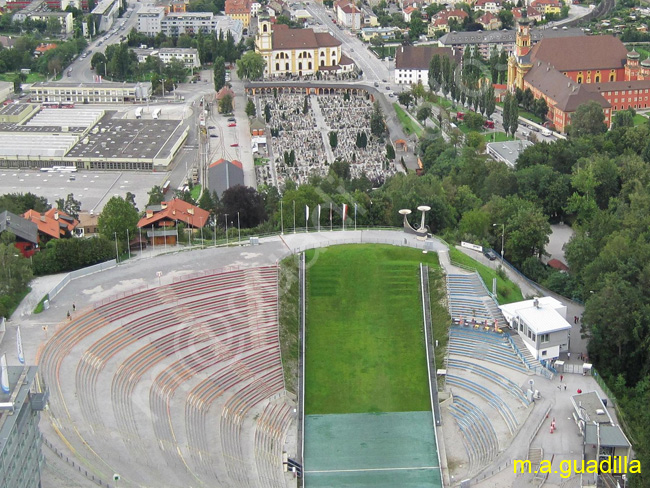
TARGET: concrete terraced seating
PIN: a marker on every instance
(492, 399)
(479, 437)
(483, 345)
(233, 415)
(207, 341)
(465, 284)
(270, 432)
(498, 379)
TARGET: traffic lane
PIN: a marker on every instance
(354, 48)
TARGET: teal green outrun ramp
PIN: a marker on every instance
(368, 422)
(371, 450)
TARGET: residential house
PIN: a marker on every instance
(26, 232)
(162, 220)
(534, 15)
(348, 15)
(491, 6)
(369, 18)
(440, 21)
(406, 13)
(239, 10)
(53, 224)
(547, 6)
(489, 21)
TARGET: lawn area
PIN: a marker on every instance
(410, 126)
(497, 137)
(31, 78)
(289, 321)
(524, 114)
(507, 291)
(640, 119)
(388, 51)
(196, 192)
(260, 161)
(364, 341)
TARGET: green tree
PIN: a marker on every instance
(423, 113)
(474, 120)
(15, 273)
(334, 139)
(623, 118)
(588, 119)
(377, 125)
(225, 104)
(53, 26)
(250, 108)
(390, 151)
(117, 217)
(489, 101)
(251, 66)
(70, 206)
(405, 98)
(219, 73)
(156, 196)
(541, 108)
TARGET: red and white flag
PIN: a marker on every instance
(345, 212)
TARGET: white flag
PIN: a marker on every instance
(306, 214)
(319, 217)
(19, 346)
(5, 376)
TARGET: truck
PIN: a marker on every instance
(460, 115)
(138, 112)
(489, 124)
(155, 114)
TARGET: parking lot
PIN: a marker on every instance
(92, 188)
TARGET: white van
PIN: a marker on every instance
(546, 132)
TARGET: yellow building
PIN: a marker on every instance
(239, 10)
(298, 51)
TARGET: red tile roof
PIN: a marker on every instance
(581, 53)
(221, 161)
(302, 39)
(54, 223)
(176, 209)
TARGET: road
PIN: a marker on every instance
(374, 69)
(81, 72)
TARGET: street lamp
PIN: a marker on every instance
(238, 230)
(226, 229)
(117, 255)
(163, 86)
(503, 235)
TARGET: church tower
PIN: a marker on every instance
(519, 63)
(264, 40)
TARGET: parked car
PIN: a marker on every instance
(211, 127)
(232, 124)
(214, 135)
(490, 254)
(234, 144)
(232, 119)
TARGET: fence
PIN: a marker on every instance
(361, 240)
(301, 365)
(96, 268)
(71, 462)
(538, 369)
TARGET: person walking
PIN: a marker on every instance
(69, 317)
(561, 378)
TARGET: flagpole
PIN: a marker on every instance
(294, 216)
(306, 218)
(355, 216)
(344, 212)
(331, 217)
(319, 217)
(281, 219)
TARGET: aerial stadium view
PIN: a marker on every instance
(324, 244)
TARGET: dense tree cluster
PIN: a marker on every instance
(61, 255)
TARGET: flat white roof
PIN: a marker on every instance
(542, 319)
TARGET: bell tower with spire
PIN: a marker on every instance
(519, 63)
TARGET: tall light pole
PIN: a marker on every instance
(503, 236)
(355, 216)
(117, 254)
(238, 230)
(281, 219)
(226, 229)
(294, 216)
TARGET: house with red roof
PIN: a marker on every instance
(161, 221)
(492, 6)
(347, 14)
(440, 21)
(53, 224)
(533, 14)
(489, 21)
